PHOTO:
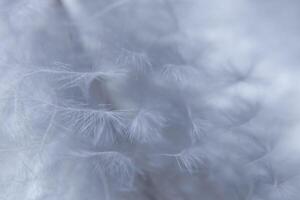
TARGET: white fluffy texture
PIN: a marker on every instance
(149, 99)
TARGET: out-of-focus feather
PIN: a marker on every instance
(114, 165)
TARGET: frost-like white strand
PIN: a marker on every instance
(134, 60)
(189, 160)
(180, 74)
(103, 125)
(146, 127)
(68, 78)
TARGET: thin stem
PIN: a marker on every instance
(105, 185)
(47, 132)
